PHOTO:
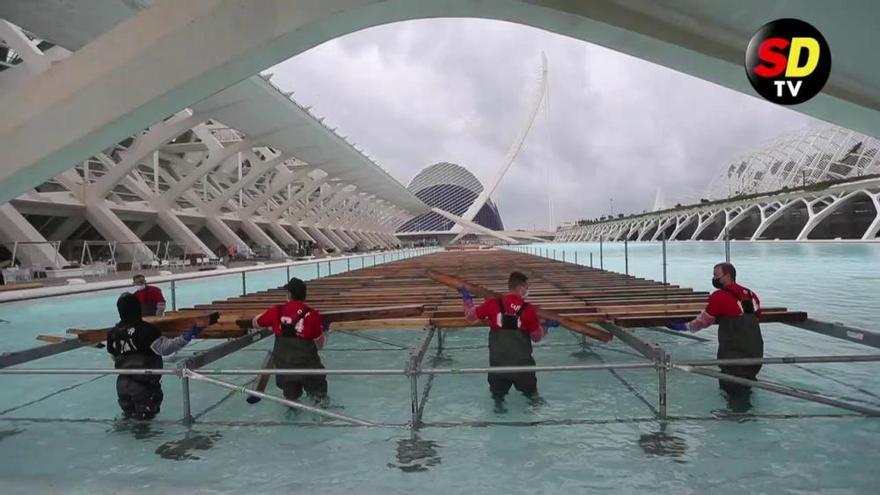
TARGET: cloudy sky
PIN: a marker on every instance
(415, 93)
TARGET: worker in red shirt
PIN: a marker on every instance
(299, 334)
(737, 310)
(513, 326)
(151, 298)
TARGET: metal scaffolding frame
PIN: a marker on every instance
(654, 357)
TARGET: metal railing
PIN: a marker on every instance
(656, 358)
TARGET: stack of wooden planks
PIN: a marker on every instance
(403, 294)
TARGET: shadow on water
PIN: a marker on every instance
(662, 444)
(141, 430)
(182, 450)
(4, 434)
(416, 455)
(584, 352)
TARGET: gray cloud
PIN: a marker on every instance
(415, 93)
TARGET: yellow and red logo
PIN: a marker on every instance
(788, 61)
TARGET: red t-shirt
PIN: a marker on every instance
(724, 304)
(150, 296)
(309, 327)
(489, 311)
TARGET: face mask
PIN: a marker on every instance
(716, 282)
(140, 286)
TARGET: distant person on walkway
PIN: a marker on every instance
(150, 296)
(136, 344)
(737, 310)
(513, 326)
(299, 334)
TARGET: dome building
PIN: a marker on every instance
(451, 188)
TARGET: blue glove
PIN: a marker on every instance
(679, 327)
(466, 296)
(192, 332)
(325, 326)
(548, 324)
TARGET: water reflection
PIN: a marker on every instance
(416, 455)
(664, 445)
(4, 434)
(181, 450)
(141, 430)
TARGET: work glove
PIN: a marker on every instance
(466, 296)
(548, 324)
(678, 327)
(191, 333)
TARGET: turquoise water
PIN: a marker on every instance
(597, 432)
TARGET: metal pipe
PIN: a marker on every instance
(626, 256)
(329, 268)
(18, 357)
(187, 409)
(575, 257)
(726, 245)
(664, 261)
(591, 259)
(243, 283)
(288, 274)
(414, 400)
(348, 264)
(662, 367)
(173, 296)
(527, 369)
(318, 267)
(780, 389)
(852, 358)
(601, 256)
(305, 372)
(289, 403)
(844, 332)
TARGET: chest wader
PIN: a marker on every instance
(148, 309)
(139, 396)
(740, 337)
(291, 351)
(510, 346)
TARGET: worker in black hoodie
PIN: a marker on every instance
(136, 344)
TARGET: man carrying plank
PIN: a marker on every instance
(136, 344)
(513, 326)
(299, 333)
(737, 311)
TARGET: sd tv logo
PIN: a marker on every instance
(788, 61)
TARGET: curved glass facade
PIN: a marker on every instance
(451, 188)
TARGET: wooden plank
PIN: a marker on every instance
(451, 281)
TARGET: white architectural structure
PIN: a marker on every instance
(246, 166)
(788, 188)
(155, 62)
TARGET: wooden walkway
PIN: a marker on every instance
(585, 294)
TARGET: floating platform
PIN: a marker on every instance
(404, 296)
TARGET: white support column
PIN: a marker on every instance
(303, 194)
(281, 233)
(142, 147)
(682, 224)
(769, 220)
(207, 165)
(662, 227)
(14, 227)
(67, 228)
(261, 237)
(704, 223)
(874, 228)
(816, 218)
